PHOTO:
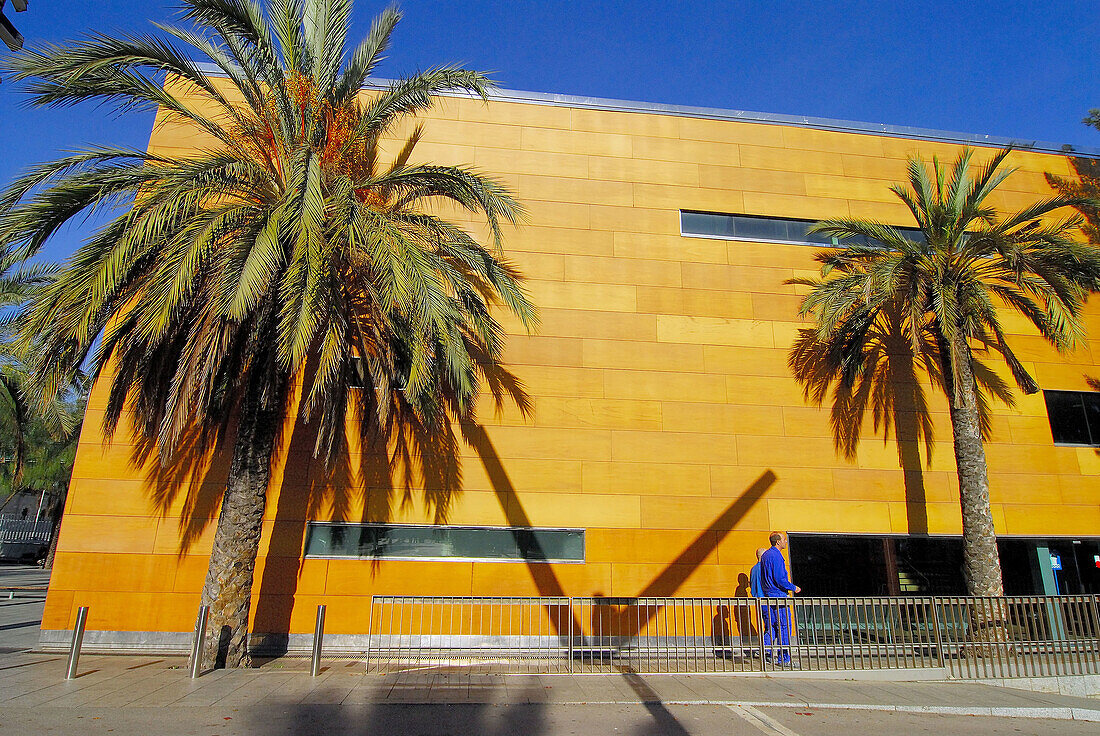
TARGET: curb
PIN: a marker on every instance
(1055, 713)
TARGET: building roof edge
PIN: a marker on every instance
(745, 116)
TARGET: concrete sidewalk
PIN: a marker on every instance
(139, 694)
(36, 680)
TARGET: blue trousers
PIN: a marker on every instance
(777, 626)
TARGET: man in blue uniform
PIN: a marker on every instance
(774, 583)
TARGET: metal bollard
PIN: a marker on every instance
(199, 642)
(318, 636)
(78, 639)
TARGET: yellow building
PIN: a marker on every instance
(667, 436)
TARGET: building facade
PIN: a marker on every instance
(666, 435)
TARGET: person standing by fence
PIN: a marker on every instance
(775, 583)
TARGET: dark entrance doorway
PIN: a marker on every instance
(858, 565)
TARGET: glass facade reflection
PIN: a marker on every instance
(769, 229)
(413, 541)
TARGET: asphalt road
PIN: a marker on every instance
(511, 720)
(21, 616)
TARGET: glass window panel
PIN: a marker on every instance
(702, 223)
(1066, 412)
(778, 229)
(760, 228)
(1091, 403)
(413, 541)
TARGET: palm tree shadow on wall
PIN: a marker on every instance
(385, 471)
(886, 385)
(625, 616)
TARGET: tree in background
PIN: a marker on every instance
(37, 442)
(948, 287)
(50, 449)
(291, 259)
(1086, 185)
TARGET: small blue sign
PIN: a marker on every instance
(1055, 561)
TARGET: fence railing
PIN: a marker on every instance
(15, 530)
(968, 637)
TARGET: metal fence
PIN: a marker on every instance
(968, 637)
(17, 530)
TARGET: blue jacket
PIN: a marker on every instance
(755, 589)
(773, 574)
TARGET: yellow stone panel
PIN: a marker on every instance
(713, 331)
(799, 452)
(864, 190)
(673, 447)
(695, 302)
(745, 361)
(563, 381)
(797, 206)
(575, 510)
(763, 390)
(732, 481)
(725, 418)
(643, 171)
(645, 478)
(716, 515)
(689, 546)
(551, 443)
(642, 355)
(1052, 520)
(504, 161)
(757, 134)
(634, 123)
(598, 413)
(685, 151)
(670, 248)
(540, 579)
(752, 180)
(590, 191)
(513, 113)
(619, 270)
(663, 196)
(827, 140)
(849, 517)
(634, 219)
(557, 240)
(539, 350)
(601, 297)
(785, 159)
(571, 141)
(105, 534)
(1027, 488)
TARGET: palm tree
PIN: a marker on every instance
(948, 285)
(285, 271)
(17, 285)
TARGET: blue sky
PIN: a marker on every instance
(1020, 70)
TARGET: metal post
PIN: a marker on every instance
(940, 655)
(78, 639)
(370, 629)
(318, 636)
(199, 642)
(572, 618)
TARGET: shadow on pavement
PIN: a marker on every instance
(412, 712)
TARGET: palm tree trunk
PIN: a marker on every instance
(47, 564)
(228, 586)
(981, 561)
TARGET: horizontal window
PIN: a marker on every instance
(417, 542)
(769, 229)
(1074, 417)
